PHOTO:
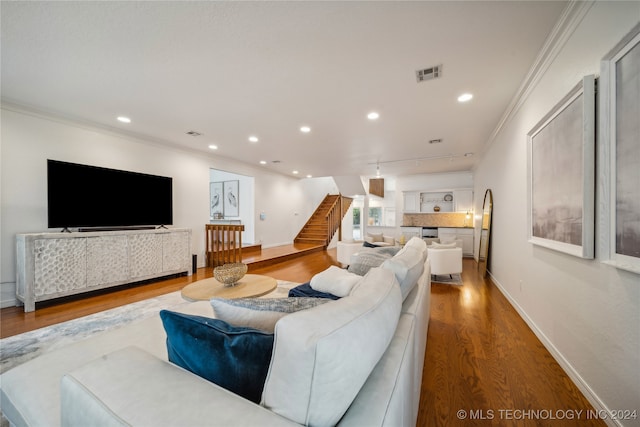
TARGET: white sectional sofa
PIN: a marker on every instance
(356, 361)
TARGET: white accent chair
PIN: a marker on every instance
(458, 242)
(445, 260)
(346, 249)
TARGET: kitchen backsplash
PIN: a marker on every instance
(437, 220)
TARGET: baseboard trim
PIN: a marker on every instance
(567, 367)
(8, 295)
(5, 303)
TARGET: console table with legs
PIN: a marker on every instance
(53, 265)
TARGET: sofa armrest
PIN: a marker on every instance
(131, 387)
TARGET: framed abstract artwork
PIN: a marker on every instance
(231, 198)
(216, 200)
(619, 154)
(561, 166)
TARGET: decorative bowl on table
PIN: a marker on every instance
(229, 274)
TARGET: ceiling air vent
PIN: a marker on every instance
(193, 133)
(428, 73)
(435, 141)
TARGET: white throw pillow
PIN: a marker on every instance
(407, 267)
(375, 237)
(334, 280)
(260, 313)
(435, 245)
(417, 243)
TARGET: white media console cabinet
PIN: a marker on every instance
(53, 265)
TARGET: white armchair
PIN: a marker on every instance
(445, 260)
(458, 242)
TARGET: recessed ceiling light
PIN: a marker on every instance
(373, 115)
(309, 176)
(263, 162)
(213, 147)
(305, 129)
(124, 119)
(253, 138)
(295, 172)
(465, 97)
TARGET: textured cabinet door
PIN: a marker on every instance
(60, 265)
(463, 200)
(53, 265)
(176, 247)
(447, 234)
(107, 260)
(467, 244)
(411, 202)
(145, 255)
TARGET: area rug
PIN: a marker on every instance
(454, 279)
(21, 348)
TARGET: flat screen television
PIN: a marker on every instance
(86, 196)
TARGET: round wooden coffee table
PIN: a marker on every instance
(251, 285)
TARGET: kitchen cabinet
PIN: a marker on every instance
(410, 232)
(464, 234)
(463, 200)
(460, 200)
(439, 202)
(411, 202)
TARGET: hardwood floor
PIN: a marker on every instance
(481, 357)
(484, 361)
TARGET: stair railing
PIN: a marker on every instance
(223, 244)
(334, 217)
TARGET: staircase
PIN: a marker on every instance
(325, 221)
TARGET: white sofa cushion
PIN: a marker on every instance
(407, 266)
(130, 387)
(322, 357)
(334, 280)
(417, 243)
(374, 237)
(260, 313)
(30, 393)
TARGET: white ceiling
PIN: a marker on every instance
(233, 69)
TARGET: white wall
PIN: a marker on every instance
(29, 139)
(245, 204)
(587, 313)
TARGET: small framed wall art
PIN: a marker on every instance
(216, 200)
(231, 198)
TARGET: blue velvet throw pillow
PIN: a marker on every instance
(235, 358)
(305, 290)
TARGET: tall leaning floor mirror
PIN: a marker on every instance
(485, 233)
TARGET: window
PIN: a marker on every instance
(356, 224)
(375, 217)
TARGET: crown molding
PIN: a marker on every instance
(571, 17)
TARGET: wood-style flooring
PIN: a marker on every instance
(484, 365)
(481, 357)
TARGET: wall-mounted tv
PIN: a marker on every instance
(86, 196)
